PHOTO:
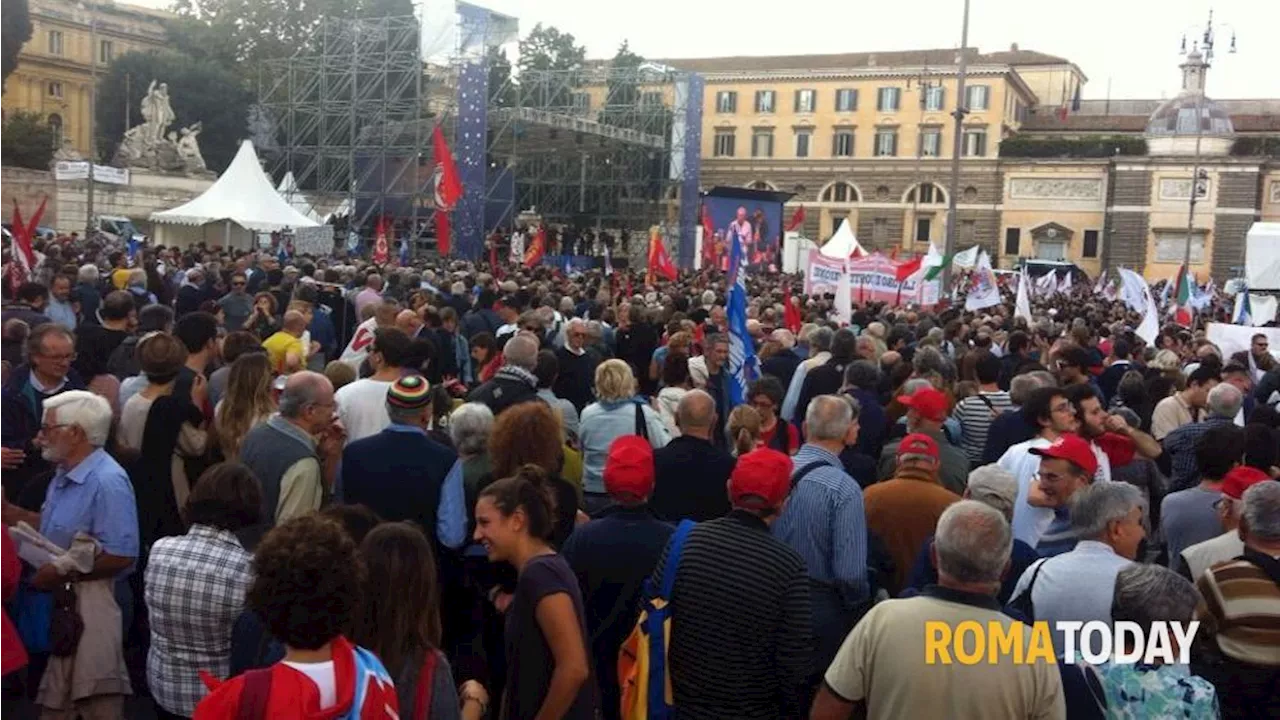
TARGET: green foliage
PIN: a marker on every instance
(26, 140)
(1256, 146)
(1088, 147)
(549, 65)
(502, 91)
(15, 27)
(200, 91)
(624, 104)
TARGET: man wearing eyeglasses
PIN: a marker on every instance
(237, 304)
(1049, 410)
(48, 372)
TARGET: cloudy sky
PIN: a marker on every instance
(1134, 43)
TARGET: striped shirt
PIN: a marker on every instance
(975, 414)
(825, 521)
(741, 623)
(1241, 608)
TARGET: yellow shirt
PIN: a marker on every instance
(120, 278)
(278, 347)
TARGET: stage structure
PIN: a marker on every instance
(595, 147)
(349, 119)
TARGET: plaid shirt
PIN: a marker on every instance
(1181, 448)
(195, 590)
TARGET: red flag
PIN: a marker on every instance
(23, 261)
(380, 250)
(909, 268)
(893, 255)
(797, 219)
(447, 187)
(537, 248)
(708, 240)
(791, 316)
(659, 262)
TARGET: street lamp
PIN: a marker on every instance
(1201, 52)
(957, 139)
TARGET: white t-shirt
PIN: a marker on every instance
(322, 675)
(362, 406)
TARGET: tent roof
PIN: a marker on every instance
(843, 243)
(244, 195)
(288, 189)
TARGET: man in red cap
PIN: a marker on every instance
(926, 411)
(904, 511)
(740, 633)
(614, 553)
(1194, 560)
(1066, 465)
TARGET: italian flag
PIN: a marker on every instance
(1182, 298)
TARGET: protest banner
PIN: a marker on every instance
(872, 279)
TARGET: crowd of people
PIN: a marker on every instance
(250, 486)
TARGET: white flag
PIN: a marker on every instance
(1047, 285)
(358, 349)
(1149, 328)
(966, 259)
(844, 296)
(1064, 285)
(1133, 290)
(1022, 307)
(608, 262)
(984, 292)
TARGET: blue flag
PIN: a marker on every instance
(282, 257)
(568, 265)
(131, 250)
(404, 253)
(1244, 309)
(742, 353)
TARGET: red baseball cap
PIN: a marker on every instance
(761, 480)
(918, 444)
(628, 470)
(1241, 478)
(1072, 448)
(930, 402)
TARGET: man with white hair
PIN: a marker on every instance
(783, 363)
(1241, 609)
(1223, 404)
(87, 294)
(883, 671)
(515, 382)
(819, 340)
(578, 361)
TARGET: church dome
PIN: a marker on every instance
(1177, 116)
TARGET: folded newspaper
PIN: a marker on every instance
(38, 550)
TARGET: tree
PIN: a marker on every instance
(549, 61)
(622, 92)
(502, 91)
(26, 140)
(15, 27)
(200, 91)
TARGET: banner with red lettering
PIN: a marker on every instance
(872, 279)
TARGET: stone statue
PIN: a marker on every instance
(152, 145)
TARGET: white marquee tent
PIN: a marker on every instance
(241, 202)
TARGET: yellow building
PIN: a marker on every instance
(70, 42)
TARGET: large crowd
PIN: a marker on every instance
(243, 484)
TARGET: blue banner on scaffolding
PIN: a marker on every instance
(690, 149)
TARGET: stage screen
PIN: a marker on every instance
(761, 223)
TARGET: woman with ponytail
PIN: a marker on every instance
(548, 674)
(743, 429)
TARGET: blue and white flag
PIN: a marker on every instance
(131, 250)
(568, 265)
(1244, 310)
(404, 252)
(743, 369)
(608, 261)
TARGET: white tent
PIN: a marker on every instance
(242, 200)
(288, 189)
(1262, 256)
(843, 243)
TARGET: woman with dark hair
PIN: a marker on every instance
(195, 588)
(676, 382)
(263, 321)
(485, 356)
(403, 628)
(547, 671)
(307, 585)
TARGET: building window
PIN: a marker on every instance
(967, 231)
(761, 185)
(106, 51)
(923, 225)
(977, 97)
(806, 101)
(975, 142)
(842, 143)
(55, 89)
(55, 128)
(887, 99)
(928, 194)
(934, 97)
(55, 42)
(879, 231)
(930, 142)
(724, 143)
(765, 100)
(846, 100)
(886, 142)
(804, 138)
(726, 101)
(840, 192)
(1090, 244)
(1171, 245)
(651, 99)
(762, 143)
(1013, 241)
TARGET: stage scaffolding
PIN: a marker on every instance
(348, 114)
(595, 147)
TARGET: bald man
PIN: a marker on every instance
(409, 322)
(690, 471)
(295, 453)
(284, 347)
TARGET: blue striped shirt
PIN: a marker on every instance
(825, 522)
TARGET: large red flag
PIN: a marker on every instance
(380, 249)
(659, 262)
(708, 240)
(797, 219)
(23, 261)
(447, 186)
(909, 268)
(537, 248)
(791, 316)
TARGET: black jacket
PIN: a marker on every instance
(826, 379)
(576, 381)
(782, 365)
(508, 387)
(689, 480)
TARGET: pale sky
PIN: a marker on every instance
(1135, 43)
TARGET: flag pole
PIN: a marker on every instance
(957, 139)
